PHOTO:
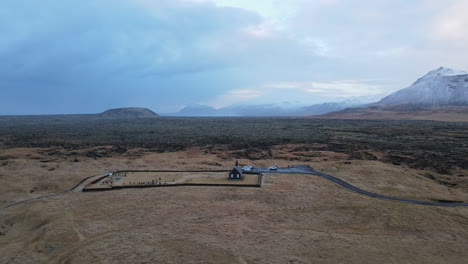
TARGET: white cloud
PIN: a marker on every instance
(318, 46)
(343, 88)
(234, 97)
(267, 29)
(276, 9)
(397, 51)
(302, 93)
(451, 27)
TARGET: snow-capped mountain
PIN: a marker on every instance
(440, 87)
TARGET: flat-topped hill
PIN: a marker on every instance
(128, 112)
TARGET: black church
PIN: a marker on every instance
(236, 173)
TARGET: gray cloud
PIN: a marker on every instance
(85, 56)
(111, 46)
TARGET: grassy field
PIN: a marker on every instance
(138, 179)
(291, 219)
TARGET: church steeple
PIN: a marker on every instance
(237, 163)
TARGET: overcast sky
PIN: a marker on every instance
(90, 55)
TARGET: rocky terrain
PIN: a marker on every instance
(450, 114)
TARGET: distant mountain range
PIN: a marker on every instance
(268, 109)
(441, 94)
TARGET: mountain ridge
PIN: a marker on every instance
(440, 87)
(267, 109)
(441, 95)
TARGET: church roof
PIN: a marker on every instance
(238, 169)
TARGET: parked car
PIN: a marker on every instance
(247, 168)
(274, 167)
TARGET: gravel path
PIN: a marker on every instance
(309, 170)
